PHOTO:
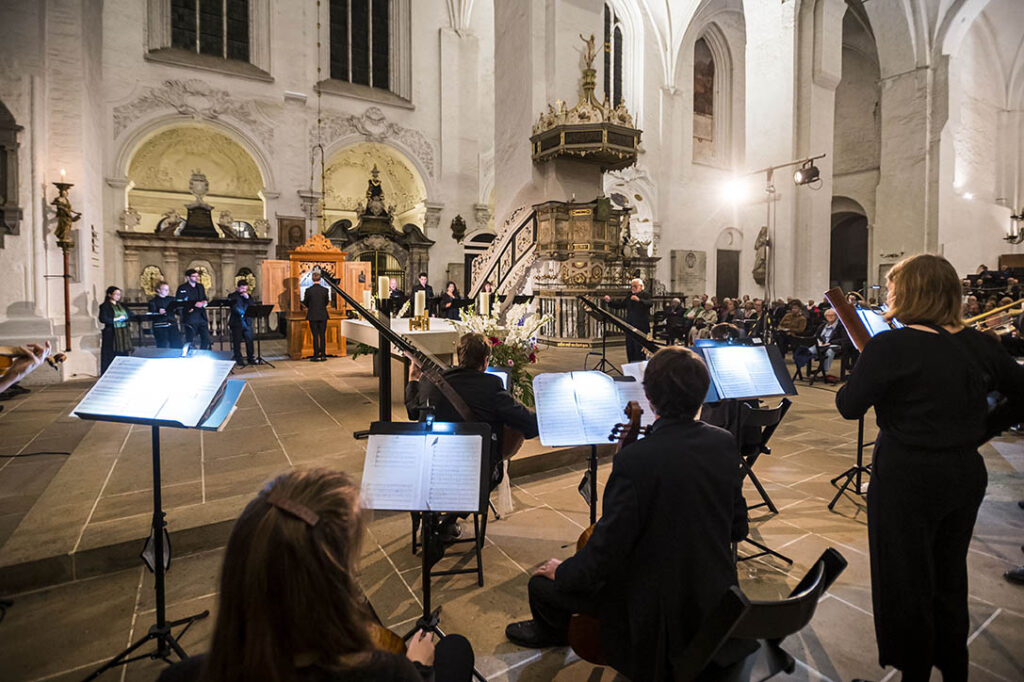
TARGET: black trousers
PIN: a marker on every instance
(198, 334)
(921, 512)
(239, 334)
(551, 607)
(318, 328)
(166, 337)
(634, 351)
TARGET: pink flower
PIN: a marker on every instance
(533, 357)
(510, 363)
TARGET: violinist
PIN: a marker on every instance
(660, 557)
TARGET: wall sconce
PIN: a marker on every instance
(1016, 233)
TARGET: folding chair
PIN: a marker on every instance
(741, 633)
(765, 421)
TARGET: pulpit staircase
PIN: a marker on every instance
(506, 262)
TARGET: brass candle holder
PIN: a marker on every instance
(419, 323)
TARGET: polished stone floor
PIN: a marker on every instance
(69, 525)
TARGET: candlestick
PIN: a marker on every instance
(382, 288)
(419, 303)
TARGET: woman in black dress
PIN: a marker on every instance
(291, 608)
(450, 302)
(116, 337)
(928, 383)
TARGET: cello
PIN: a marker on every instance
(584, 629)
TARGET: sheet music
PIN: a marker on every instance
(453, 476)
(634, 390)
(742, 371)
(635, 370)
(577, 408)
(179, 390)
(873, 321)
(392, 474)
(558, 415)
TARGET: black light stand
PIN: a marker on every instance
(853, 474)
(166, 642)
(604, 364)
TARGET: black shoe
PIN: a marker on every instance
(1015, 575)
(251, 361)
(527, 633)
(240, 362)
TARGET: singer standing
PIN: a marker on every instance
(191, 298)
(239, 324)
(315, 301)
(638, 313)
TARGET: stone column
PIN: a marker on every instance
(172, 273)
(432, 220)
(821, 61)
(310, 209)
(771, 76)
(482, 215)
(228, 268)
(131, 286)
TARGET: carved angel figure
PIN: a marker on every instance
(65, 217)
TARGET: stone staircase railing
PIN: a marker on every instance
(507, 260)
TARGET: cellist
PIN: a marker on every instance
(660, 557)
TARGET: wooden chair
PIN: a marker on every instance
(741, 633)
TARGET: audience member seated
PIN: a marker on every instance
(675, 322)
(793, 323)
(828, 341)
(290, 605)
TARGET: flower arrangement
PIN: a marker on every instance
(513, 344)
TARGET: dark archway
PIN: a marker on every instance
(848, 266)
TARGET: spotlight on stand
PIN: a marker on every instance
(1016, 233)
(806, 174)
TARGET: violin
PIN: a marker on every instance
(54, 360)
(584, 629)
(381, 637)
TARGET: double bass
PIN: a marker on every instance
(584, 629)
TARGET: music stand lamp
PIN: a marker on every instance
(153, 552)
(261, 314)
(430, 620)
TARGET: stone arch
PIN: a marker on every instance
(159, 168)
(899, 37)
(409, 155)
(347, 171)
(850, 237)
(140, 134)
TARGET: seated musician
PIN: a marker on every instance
(301, 535)
(660, 557)
(483, 393)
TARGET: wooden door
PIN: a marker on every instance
(727, 275)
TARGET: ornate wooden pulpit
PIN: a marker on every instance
(317, 251)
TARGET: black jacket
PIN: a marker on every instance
(839, 337)
(638, 313)
(239, 305)
(316, 299)
(660, 557)
(419, 287)
(165, 302)
(485, 396)
(187, 296)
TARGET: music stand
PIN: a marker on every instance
(604, 364)
(604, 316)
(260, 313)
(210, 411)
(389, 483)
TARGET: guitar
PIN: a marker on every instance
(584, 629)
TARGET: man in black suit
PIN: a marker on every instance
(638, 313)
(660, 557)
(421, 285)
(315, 301)
(240, 326)
(830, 339)
(191, 300)
(482, 392)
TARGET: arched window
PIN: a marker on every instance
(212, 27)
(703, 103)
(612, 56)
(360, 42)
(383, 264)
(243, 229)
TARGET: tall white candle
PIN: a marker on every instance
(419, 303)
(367, 299)
(484, 305)
(382, 288)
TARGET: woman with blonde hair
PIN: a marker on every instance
(929, 384)
(291, 609)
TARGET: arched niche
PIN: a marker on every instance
(848, 251)
(160, 167)
(347, 173)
